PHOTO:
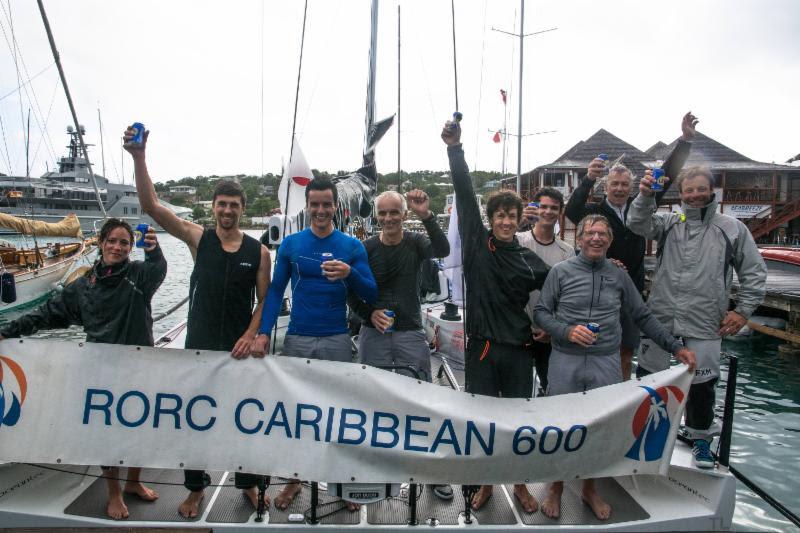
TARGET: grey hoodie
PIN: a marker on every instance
(697, 249)
(579, 291)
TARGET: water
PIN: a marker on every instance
(767, 419)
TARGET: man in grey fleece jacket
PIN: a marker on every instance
(583, 289)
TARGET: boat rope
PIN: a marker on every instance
(5, 144)
(180, 484)
(294, 119)
(171, 310)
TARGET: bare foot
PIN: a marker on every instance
(599, 507)
(526, 499)
(145, 493)
(353, 507)
(551, 506)
(482, 496)
(191, 505)
(116, 508)
(287, 495)
(252, 495)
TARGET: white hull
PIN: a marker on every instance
(36, 285)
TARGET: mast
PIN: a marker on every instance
(519, 90)
(57, 59)
(102, 145)
(27, 148)
(373, 53)
(399, 179)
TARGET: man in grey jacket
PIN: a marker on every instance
(588, 289)
(698, 250)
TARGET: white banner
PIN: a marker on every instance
(747, 210)
(61, 402)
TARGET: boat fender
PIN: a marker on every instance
(8, 288)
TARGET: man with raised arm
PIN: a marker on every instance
(230, 267)
(500, 274)
(698, 250)
(323, 264)
(544, 242)
(584, 289)
(395, 257)
(628, 247)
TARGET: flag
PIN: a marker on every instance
(503, 95)
(296, 176)
(452, 263)
(496, 137)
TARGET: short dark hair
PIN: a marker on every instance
(693, 172)
(229, 188)
(550, 192)
(113, 223)
(505, 200)
(322, 183)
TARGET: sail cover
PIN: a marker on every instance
(69, 226)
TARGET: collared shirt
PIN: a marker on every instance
(620, 211)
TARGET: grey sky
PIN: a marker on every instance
(192, 70)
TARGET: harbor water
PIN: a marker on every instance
(766, 433)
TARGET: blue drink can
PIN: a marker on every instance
(139, 233)
(390, 315)
(658, 176)
(533, 218)
(138, 137)
(326, 256)
(604, 157)
(594, 327)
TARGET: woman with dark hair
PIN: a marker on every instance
(112, 303)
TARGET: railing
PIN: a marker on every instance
(780, 215)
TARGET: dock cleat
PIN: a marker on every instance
(701, 454)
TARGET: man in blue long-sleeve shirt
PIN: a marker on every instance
(323, 264)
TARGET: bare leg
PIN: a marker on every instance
(352, 506)
(551, 506)
(599, 507)
(626, 355)
(252, 495)
(526, 499)
(116, 507)
(287, 495)
(482, 496)
(191, 505)
(134, 486)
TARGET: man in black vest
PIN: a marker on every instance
(230, 267)
(626, 246)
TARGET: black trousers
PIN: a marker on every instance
(495, 369)
(197, 480)
(541, 358)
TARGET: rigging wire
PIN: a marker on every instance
(8, 157)
(480, 84)
(37, 110)
(46, 120)
(13, 91)
(294, 119)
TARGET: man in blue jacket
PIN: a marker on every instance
(323, 264)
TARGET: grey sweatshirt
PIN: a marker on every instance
(578, 291)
